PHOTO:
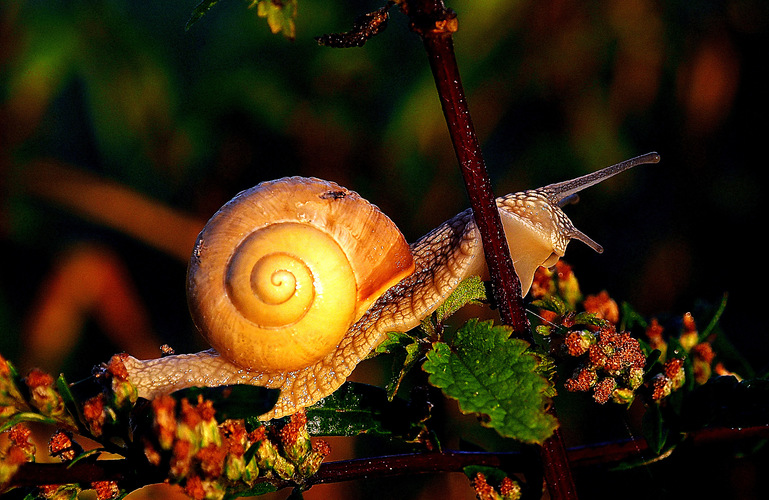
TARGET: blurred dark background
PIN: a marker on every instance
(120, 134)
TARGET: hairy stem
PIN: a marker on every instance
(435, 24)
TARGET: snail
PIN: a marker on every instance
(295, 281)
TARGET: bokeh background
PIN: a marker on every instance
(121, 133)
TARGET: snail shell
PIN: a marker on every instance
(380, 285)
(281, 272)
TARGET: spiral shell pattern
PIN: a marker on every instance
(280, 273)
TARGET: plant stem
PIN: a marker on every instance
(557, 469)
(84, 472)
(418, 463)
(435, 24)
(600, 454)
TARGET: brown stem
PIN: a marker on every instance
(34, 474)
(557, 468)
(435, 24)
(418, 463)
(120, 470)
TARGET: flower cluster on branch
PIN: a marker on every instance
(173, 437)
(209, 459)
(616, 365)
(184, 439)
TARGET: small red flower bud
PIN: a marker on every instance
(602, 306)
(582, 380)
(62, 446)
(689, 336)
(603, 390)
(509, 489)
(483, 490)
(94, 414)
(106, 490)
(661, 387)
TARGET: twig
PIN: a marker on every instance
(84, 472)
(35, 474)
(435, 24)
(415, 463)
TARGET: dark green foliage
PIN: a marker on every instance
(364, 409)
(233, 401)
(496, 376)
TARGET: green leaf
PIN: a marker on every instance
(280, 15)
(86, 456)
(552, 303)
(27, 417)
(471, 290)
(489, 373)
(393, 342)
(233, 401)
(363, 409)
(66, 394)
(406, 351)
(588, 319)
(714, 320)
(70, 403)
(631, 318)
(493, 474)
(428, 326)
(202, 8)
(402, 364)
(257, 490)
(654, 429)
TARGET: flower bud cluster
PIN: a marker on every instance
(612, 363)
(697, 352)
(209, 459)
(507, 489)
(43, 394)
(63, 446)
(43, 398)
(10, 398)
(106, 490)
(602, 306)
(58, 491)
(560, 281)
(124, 392)
(670, 379)
(19, 449)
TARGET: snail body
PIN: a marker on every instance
(295, 281)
